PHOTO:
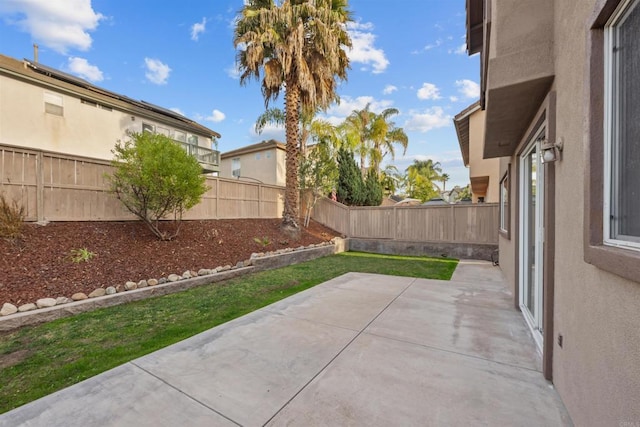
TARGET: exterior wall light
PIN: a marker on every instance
(552, 151)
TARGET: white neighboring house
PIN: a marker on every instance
(47, 109)
(263, 162)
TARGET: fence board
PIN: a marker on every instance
(74, 188)
(460, 223)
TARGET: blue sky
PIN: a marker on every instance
(409, 54)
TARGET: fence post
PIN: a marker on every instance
(453, 223)
(40, 186)
(217, 198)
(394, 217)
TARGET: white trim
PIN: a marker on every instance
(534, 320)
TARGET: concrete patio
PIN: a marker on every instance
(360, 349)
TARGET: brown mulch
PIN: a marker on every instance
(39, 264)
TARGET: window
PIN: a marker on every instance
(235, 167)
(257, 156)
(146, 127)
(88, 102)
(180, 136)
(601, 249)
(622, 127)
(504, 203)
(193, 140)
(268, 154)
(53, 104)
(162, 131)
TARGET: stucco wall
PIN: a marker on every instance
(597, 372)
(478, 165)
(597, 369)
(265, 165)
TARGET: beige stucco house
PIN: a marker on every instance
(484, 174)
(561, 95)
(46, 109)
(262, 162)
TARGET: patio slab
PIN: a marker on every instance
(360, 349)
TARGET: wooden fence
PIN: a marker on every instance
(460, 223)
(60, 187)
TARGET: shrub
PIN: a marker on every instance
(12, 216)
(154, 178)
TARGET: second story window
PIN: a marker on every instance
(53, 104)
(235, 167)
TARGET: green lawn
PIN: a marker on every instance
(38, 360)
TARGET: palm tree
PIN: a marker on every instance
(296, 46)
(422, 176)
(444, 178)
(384, 134)
(372, 136)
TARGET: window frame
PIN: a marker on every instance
(235, 172)
(611, 142)
(504, 218)
(619, 261)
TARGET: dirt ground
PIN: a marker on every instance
(41, 265)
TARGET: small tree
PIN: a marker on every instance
(154, 177)
(318, 174)
(373, 189)
(350, 189)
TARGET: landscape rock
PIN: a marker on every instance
(152, 282)
(27, 307)
(142, 284)
(240, 264)
(174, 277)
(98, 292)
(186, 275)
(204, 272)
(256, 255)
(45, 302)
(8, 309)
(79, 296)
(193, 273)
(162, 280)
(225, 268)
(110, 290)
(129, 286)
(119, 288)
(63, 300)
(248, 262)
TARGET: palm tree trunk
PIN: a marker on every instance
(292, 125)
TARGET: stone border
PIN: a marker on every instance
(258, 262)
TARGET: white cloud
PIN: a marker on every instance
(233, 71)
(429, 91)
(432, 118)
(389, 89)
(60, 25)
(454, 99)
(363, 49)
(177, 110)
(338, 112)
(216, 116)
(460, 50)
(270, 131)
(198, 28)
(468, 88)
(157, 71)
(82, 68)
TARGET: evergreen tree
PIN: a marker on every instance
(350, 185)
(373, 189)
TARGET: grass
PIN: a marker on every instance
(39, 360)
